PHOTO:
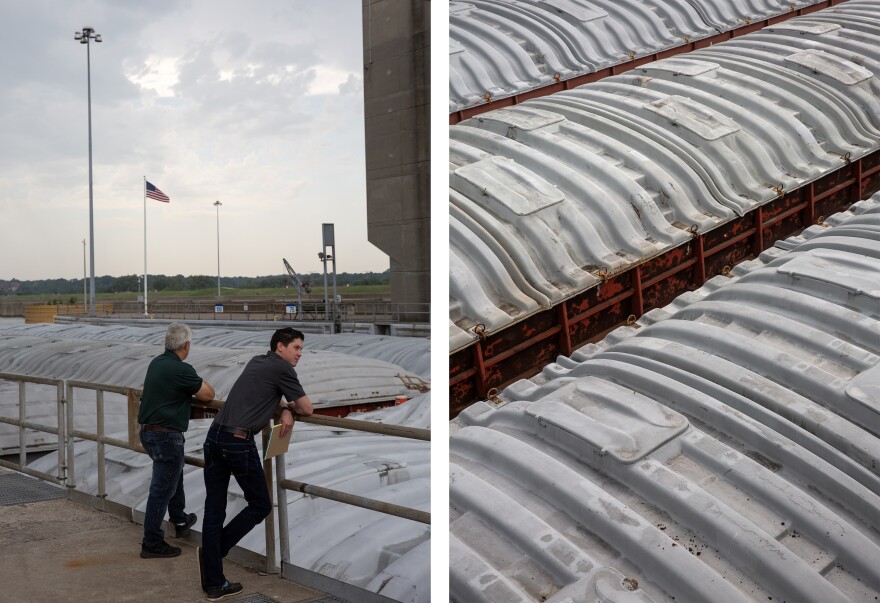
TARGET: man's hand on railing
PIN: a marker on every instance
(286, 421)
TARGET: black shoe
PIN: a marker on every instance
(163, 549)
(221, 592)
(181, 530)
(201, 567)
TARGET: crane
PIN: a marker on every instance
(299, 286)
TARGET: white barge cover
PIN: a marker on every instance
(725, 448)
(410, 353)
(330, 378)
(501, 48)
(551, 195)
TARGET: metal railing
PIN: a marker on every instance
(23, 424)
(359, 501)
(284, 485)
(98, 437)
(67, 434)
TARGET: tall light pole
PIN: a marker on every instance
(217, 204)
(84, 37)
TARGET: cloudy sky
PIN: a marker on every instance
(258, 105)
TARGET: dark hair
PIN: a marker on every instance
(285, 336)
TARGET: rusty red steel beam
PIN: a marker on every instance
(595, 76)
(481, 368)
(603, 305)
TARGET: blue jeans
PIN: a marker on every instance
(166, 487)
(225, 456)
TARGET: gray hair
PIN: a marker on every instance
(177, 336)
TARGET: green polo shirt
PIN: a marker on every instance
(168, 390)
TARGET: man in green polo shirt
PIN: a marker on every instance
(169, 387)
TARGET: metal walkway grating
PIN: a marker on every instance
(16, 489)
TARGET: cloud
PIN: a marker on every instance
(330, 80)
(156, 74)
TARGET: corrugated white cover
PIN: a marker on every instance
(725, 448)
(547, 197)
(329, 378)
(500, 48)
(411, 353)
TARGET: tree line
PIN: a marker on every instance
(161, 282)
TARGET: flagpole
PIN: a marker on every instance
(145, 246)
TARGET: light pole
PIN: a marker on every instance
(323, 256)
(217, 204)
(85, 295)
(84, 37)
(327, 231)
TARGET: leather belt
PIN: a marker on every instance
(237, 431)
(150, 427)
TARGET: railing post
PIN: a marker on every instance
(270, 520)
(99, 424)
(71, 458)
(22, 416)
(283, 529)
(133, 406)
(62, 431)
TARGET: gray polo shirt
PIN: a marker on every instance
(257, 391)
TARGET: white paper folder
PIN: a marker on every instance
(277, 445)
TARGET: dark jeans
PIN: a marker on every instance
(225, 456)
(166, 487)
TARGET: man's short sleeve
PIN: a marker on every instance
(187, 379)
(290, 385)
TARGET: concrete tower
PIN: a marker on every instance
(397, 80)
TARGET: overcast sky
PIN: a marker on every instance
(256, 104)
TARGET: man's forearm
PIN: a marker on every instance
(303, 406)
(206, 392)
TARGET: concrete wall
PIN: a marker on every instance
(396, 110)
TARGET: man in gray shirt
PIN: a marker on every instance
(230, 450)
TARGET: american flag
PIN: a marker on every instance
(155, 193)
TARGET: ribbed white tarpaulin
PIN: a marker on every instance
(501, 48)
(724, 448)
(548, 196)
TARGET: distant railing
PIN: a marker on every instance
(355, 310)
(67, 434)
